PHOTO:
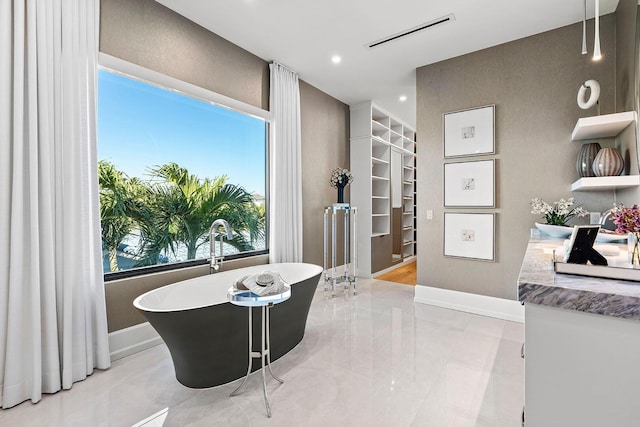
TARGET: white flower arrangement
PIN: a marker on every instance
(558, 213)
(340, 178)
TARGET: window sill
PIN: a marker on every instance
(161, 268)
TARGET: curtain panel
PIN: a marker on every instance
(285, 204)
(53, 328)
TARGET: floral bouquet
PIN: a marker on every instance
(558, 213)
(628, 221)
(340, 178)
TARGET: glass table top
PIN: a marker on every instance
(247, 298)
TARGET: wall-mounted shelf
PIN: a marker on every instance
(606, 126)
(606, 183)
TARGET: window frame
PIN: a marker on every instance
(136, 72)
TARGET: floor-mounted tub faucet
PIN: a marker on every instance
(216, 261)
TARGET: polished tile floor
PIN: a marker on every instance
(376, 359)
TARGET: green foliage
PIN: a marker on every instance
(116, 199)
(175, 207)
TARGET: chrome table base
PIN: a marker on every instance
(262, 354)
(330, 274)
(265, 302)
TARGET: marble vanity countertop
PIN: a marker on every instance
(539, 284)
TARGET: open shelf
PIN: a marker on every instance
(376, 160)
(395, 139)
(605, 126)
(606, 183)
(377, 126)
(379, 140)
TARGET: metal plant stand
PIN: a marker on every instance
(250, 300)
(348, 276)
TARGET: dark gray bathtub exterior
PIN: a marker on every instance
(209, 345)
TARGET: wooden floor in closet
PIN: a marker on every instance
(405, 274)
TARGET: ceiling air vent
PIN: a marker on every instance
(431, 24)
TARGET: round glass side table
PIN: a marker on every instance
(249, 299)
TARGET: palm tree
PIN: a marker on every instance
(147, 213)
(115, 203)
(255, 220)
(180, 208)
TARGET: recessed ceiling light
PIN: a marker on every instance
(403, 98)
(336, 59)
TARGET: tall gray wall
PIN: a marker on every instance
(533, 82)
(325, 132)
(150, 35)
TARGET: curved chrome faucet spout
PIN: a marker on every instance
(216, 261)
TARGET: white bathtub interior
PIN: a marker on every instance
(212, 289)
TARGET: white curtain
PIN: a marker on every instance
(53, 327)
(285, 219)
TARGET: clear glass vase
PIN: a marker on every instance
(633, 250)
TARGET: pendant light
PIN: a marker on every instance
(584, 30)
(597, 55)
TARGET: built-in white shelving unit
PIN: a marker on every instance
(605, 126)
(374, 134)
(408, 202)
(605, 183)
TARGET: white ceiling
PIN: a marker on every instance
(304, 35)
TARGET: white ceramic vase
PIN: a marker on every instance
(608, 162)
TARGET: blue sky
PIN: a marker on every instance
(141, 126)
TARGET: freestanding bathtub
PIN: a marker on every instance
(207, 335)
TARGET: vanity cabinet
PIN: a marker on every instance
(582, 362)
(581, 369)
(377, 138)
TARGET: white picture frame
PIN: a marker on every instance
(469, 132)
(470, 184)
(469, 235)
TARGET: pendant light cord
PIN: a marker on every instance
(584, 30)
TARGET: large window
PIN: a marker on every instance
(169, 165)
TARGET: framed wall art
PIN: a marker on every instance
(469, 132)
(470, 184)
(469, 235)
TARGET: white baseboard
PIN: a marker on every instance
(470, 303)
(131, 340)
